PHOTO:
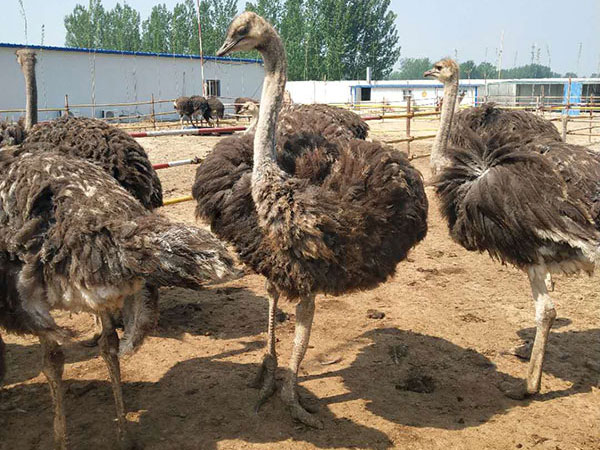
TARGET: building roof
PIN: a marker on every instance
(122, 52)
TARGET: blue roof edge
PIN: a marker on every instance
(123, 52)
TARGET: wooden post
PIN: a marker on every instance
(152, 115)
(543, 101)
(565, 119)
(591, 105)
(67, 105)
(408, 119)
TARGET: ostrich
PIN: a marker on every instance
(216, 110)
(71, 237)
(526, 199)
(320, 226)
(119, 155)
(185, 108)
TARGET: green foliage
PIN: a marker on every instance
(411, 69)
(324, 39)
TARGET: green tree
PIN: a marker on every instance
(411, 69)
(156, 30)
(123, 28)
(468, 70)
(86, 27)
(486, 70)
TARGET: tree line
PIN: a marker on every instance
(413, 68)
(324, 39)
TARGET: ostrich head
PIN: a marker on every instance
(445, 70)
(26, 57)
(248, 31)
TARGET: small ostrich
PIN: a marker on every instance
(72, 238)
(185, 108)
(200, 106)
(216, 110)
(12, 133)
(335, 219)
(525, 198)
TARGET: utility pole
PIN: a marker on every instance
(200, 44)
(499, 68)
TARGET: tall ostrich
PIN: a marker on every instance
(72, 238)
(526, 199)
(185, 108)
(317, 227)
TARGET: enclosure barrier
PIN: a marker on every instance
(181, 162)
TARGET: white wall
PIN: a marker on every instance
(117, 78)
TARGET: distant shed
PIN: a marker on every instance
(107, 76)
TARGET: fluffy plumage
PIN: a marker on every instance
(216, 109)
(503, 196)
(12, 133)
(67, 225)
(330, 122)
(355, 250)
(488, 119)
(108, 147)
(185, 109)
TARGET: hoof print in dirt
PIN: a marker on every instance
(373, 314)
(421, 384)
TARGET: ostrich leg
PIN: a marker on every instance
(265, 378)
(2, 362)
(305, 311)
(109, 349)
(544, 317)
(52, 365)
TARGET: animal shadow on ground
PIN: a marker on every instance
(219, 312)
(571, 355)
(425, 381)
(195, 405)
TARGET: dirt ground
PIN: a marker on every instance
(452, 320)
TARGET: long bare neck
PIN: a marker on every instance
(275, 61)
(31, 108)
(440, 144)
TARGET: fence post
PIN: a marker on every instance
(565, 119)
(408, 118)
(67, 105)
(591, 106)
(152, 115)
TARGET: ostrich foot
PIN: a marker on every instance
(297, 411)
(265, 380)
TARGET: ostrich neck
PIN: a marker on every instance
(448, 107)
(274, 58)
(31, 111)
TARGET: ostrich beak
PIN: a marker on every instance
(227, 47)
(429, 73)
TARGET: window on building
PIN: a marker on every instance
(406, 93)
(213, 88)
(365, 94)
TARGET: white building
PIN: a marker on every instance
(97, 77)
(422, 92)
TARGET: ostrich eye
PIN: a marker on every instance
(244, 30)
(438, 67)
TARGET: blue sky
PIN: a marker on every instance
(434, 28)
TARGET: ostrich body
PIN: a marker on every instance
(341, 226)
(185, 108)
(72, 238)
(526, 199)
(200, 106)
(328, 121)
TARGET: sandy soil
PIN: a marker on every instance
(452, 320)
